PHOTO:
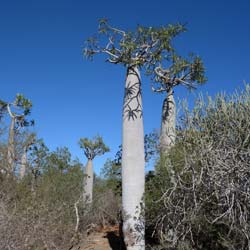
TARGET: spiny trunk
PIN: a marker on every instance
(23, 164)
(168, 133)
(133, 163)
(88, 182)
(11, 147)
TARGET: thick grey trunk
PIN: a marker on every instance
(23, 164)
(11, 147)
(168, 123)
(88, 182)
(133, 163)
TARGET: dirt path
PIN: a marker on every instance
(105, 239)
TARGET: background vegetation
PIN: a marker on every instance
(197, 197)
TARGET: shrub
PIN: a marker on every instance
(199, 197)
(40, 215)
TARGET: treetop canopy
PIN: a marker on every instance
(93, 147)
(19, 108)
(151, 47)
(145, 44)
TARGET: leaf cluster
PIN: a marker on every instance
(188, 72)
(19, 108)
(152, 48)
(93, 147)
(112, 175)
(3, 108)
(23, 103)
(144, 45)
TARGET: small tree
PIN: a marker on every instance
(91, 149)
(186, 72)
(133, 50)
(38, 161)
(17, 110)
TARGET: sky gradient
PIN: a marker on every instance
(41, 57)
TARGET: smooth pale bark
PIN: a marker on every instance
(133, 163)
(88, 182)
(168, 123)
(11, 146)
(23, 164)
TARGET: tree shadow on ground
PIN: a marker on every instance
(115, 241)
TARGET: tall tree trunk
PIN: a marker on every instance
(133, 163)
(11, 147)
(23, 164)
(168, 122)
(88, 182)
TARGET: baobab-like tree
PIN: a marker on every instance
(91, 148)
(132, 50)
(177, 71)
(28, 140)
(17, 110)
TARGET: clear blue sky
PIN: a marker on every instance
(40, 56)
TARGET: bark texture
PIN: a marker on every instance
(11, 146)
(88, 182)
(23, 164)
(168, 123)
(133, 163)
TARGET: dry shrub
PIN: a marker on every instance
(200, 196)
(48, 212)
(106, 209)
(40, 218)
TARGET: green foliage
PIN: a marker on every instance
(111, 173)
(188, 72)
(38, 155)
(21, 107)
(23, 102)
(58, 187)
(151, 48)
(144, 45)
(151, 145)
(60, 159)
(93, 147)
(3, 108)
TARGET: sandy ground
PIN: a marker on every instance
(103, 239)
